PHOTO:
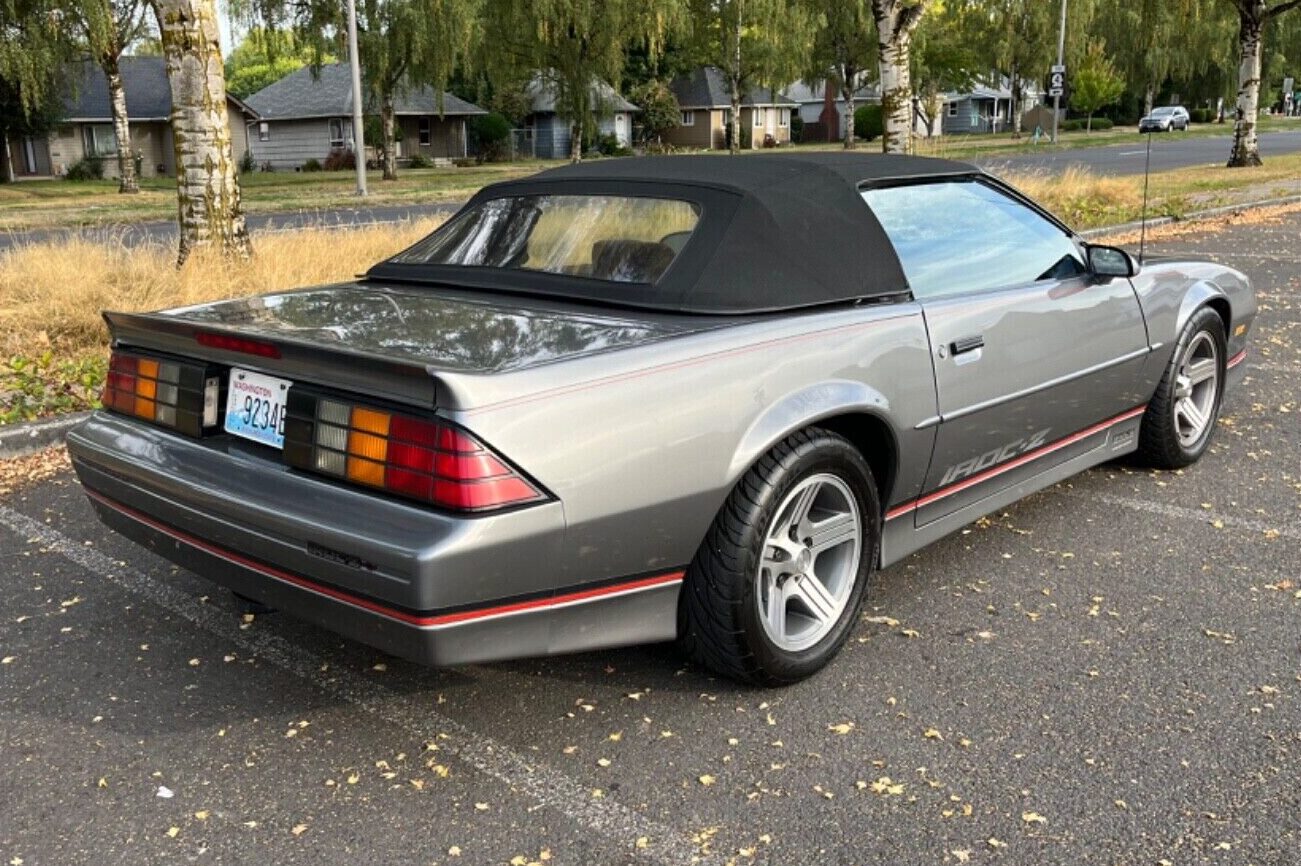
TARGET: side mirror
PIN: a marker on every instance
(1112, 262)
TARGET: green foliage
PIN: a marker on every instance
(247, 163)
(659, 109)
(1080, 123)
(844, 46)
(1096, 82)
(34, 387)
(418, 160)
(244, 81)
(490, 134)
(868, 122)
(86, 168)
(312, 164)
(1201, 115)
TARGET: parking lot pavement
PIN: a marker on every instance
(1107, 673)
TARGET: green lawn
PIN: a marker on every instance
(45, 203)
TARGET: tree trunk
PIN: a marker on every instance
(1088, 124)
(126, 163)
(207, 188)
(388, 124)
(1015, 106)
(735, 81)
(576, 142)
(1149, 98)
(1246, 145)
(895, 23)
(7, 157)
(849, 118)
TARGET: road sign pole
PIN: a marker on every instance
(1061, 61)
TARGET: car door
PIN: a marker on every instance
(1033, 355)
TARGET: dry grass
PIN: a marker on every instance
(1082, 199)
(51, 294)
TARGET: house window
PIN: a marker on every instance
(340, 133)
(784, 117)
(263, 131)
(688, 118)
(759, 117)
(99, 139)
(426, 131)
(953, 109)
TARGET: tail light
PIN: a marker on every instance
(417, 458)
(168, 393)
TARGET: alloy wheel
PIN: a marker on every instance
(810, 562)
(1196, 387)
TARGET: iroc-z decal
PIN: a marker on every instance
(1015, 448)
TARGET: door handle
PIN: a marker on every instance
(967, 344)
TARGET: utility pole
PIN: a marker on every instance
(358, 133)
(1061, 61)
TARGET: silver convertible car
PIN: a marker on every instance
(681, 398)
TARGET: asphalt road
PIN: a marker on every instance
(1107, 673)
(1169, 151)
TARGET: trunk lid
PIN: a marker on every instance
(392, 340)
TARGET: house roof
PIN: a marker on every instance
(806, 92)
(707, 87)
(542, 91)
(776, 231)
(302, 94)
(148, 96)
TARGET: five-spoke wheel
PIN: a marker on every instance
(1181, 417)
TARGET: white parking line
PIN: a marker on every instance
(1132, 153)
(414, 714)
(1195, 516)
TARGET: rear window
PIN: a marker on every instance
(622, 239)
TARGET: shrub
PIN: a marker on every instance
(31, 388)
(1201, 115)
(490, 134)
(86, 168)
(312, 164)
(607, 144)
(340, 159)
(418, 160)
(1102, 123)
(797, 126)
(868, 122)
(247, 163)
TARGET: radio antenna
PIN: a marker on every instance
(1147, 173)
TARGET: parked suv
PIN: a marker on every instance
(1165, 119)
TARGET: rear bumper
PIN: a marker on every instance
(426, 586)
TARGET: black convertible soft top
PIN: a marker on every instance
(777, 231)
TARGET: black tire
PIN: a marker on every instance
(719, 623)
(1159, 439)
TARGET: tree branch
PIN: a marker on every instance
(1281, 8)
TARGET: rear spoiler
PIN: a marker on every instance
(299, 358)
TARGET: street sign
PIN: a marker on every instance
(1057, 81)
(1055, 91)
(1057, 67)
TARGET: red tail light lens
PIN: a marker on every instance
(168, 393)
(261, 348)
(418, 458)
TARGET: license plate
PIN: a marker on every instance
(255, 407)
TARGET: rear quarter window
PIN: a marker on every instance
(623, 239)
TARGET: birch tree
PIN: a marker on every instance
(754, 42)
(1252, 17)
(207, 188)
(895, 22)
(108, 27)
(844, 44)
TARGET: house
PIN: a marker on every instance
(822, 106)
(305, 115)
(705, 98)
(986, 107)
(552, 135)
(87, 128)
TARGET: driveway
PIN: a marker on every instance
(1106, 673)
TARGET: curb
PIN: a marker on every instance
(19, 440)
(1209, 213)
